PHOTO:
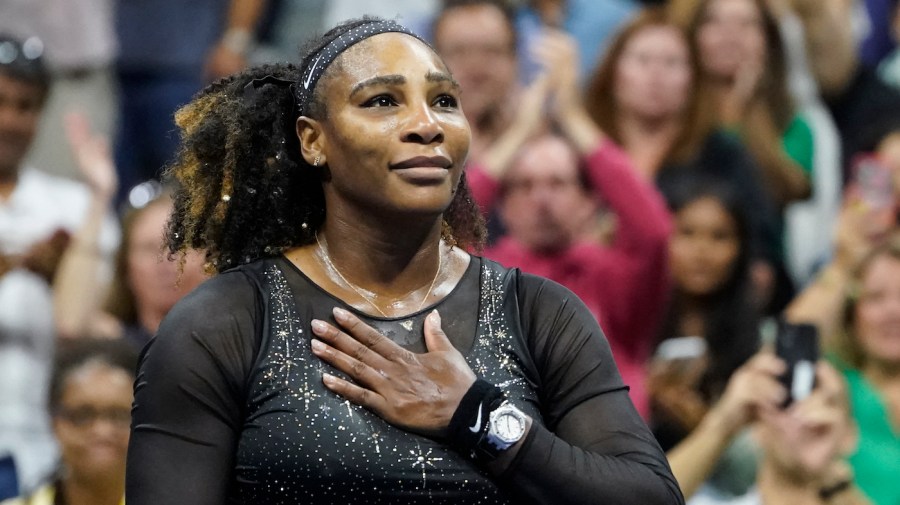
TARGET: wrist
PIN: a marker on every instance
(237, 40)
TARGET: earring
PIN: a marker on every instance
(304, 226)
(316, 161)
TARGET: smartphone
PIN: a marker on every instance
(798, 346)
(874, 181)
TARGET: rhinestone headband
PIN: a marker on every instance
(322, 59)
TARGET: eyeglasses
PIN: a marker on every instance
(10, 51)
(84, 417)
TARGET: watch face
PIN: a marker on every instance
(509, 427)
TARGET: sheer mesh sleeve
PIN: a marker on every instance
(188, 405)
(595, 448)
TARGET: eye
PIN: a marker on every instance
(446, 102)
(380, 101)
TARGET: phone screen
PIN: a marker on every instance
(798, 346)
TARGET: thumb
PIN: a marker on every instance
(435, 338)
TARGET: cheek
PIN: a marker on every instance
(723, 259)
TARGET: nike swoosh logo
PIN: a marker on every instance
(475, 428)
(312, 69)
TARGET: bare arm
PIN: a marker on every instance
(77, 284)
(829, 42)
(229, 55)
(752, 388)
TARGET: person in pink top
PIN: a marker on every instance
(548, 187)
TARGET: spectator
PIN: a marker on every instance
(862, 105)
(743, 62)
(712, 326)
(478, 40)
(646, 95)
(90, 402)
(145, 284)
(858, 309)
(79, 43)
(801, 447)
(547, 189)
(37, 213)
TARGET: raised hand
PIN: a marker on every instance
(93, 155)
(814, 433)
(417, 392)
(753, 390)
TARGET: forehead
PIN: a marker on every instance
(473, 24)
(660, 38)
(94, 379)
(741, 8)
(545, 159)
(388, 53)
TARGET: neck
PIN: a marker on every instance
(85, 491)
(389, 260)
(648, 140)
(777, 487)
(691, 316)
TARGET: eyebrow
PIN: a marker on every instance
(397, 79)
(393, 79)
(441, 77)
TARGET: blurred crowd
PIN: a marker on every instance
(701, 173)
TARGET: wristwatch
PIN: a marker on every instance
(506, 427)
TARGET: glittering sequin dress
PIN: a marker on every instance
(230, 408)
(304, 444)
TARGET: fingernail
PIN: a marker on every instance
(317, 345)
(436, 317)
(328, 379)
(340, 314)
(318, 326)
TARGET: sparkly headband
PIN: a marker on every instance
(327, 54)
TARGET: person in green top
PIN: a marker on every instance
(868, 347)
(744, 68)
(855, 302)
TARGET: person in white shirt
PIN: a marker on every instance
(38, 214)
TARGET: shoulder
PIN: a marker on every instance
(215, 301)
(220, 316)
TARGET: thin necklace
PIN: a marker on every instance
(359, 291)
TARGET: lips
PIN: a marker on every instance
(423, 162)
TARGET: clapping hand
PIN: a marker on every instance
(417, 392)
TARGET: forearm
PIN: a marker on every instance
(644, 222)
(581, 130)
(832, 64)
(77, 284)
(243, 17)
(822, 302)
(694, 459)
(549, 470)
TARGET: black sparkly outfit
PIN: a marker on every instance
(230, 405)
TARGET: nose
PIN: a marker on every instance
(422, 126)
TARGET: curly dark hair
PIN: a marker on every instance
(242, 189)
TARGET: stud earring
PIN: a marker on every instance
(316, 161)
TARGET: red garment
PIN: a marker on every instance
(624, 285)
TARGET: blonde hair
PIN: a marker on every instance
(845, 341)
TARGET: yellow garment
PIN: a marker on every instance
(43, 496)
